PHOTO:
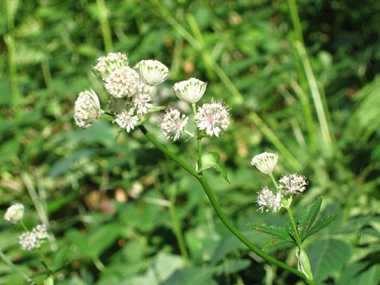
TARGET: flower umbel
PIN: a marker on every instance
(126, 120)
(171, 125)
(265, 162)
(87, 109)
(293, 183)
(14, 213)
(267, 199)
(40, 232)
(213, 118)
(190, 91)
(108, 64)
(123, 82)
(153, 72)
(28, 241)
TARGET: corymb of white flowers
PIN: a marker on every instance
(288, 184)
(33, 239)
(130, 103)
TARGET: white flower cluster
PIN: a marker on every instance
(14, 213)
(293, 183)
(33, 239)
(289, 184)
(266, 199)
(129, 90)
(213, 118)
(171, 124)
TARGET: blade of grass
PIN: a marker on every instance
(106, 32)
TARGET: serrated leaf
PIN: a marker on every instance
(212, 159)
(308, 217)
(327, 257)
(232, 266)
(275, 241)
(271, 230)
(320, 224)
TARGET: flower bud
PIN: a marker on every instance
(265, 162)
(108, 64)
(152, 72)
(87, 109)
(190, 91)
(14, 213)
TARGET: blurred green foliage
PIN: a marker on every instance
(107, 202)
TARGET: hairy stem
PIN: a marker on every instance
(217, 208)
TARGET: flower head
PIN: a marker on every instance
(171, 125)
(267, 199)
(28, 241)
(293, 183)
(265, 162)
(153, 72)
(140, 101)
(87, 109)
(213, 118)
(108, 64)
(40, 232)
(123, 82)
(14, 213)
(126, 120)
(190, 91)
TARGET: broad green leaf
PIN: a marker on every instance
(232, 266)
(59, 258)
(308, 217)
(327, 257)
(320, 224)
(212, 159)
(193, 275)
(272, 230)
(360, 273)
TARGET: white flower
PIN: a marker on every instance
(40, 232)
(152, 72)
(171, 125)
(123, 82)
(265, 162)
(108, 64)
(267, 199)
(14, 213)
(293, 183)
(190, 91)
(126, 120)
(87, 109)
(140, 101)
(28, 241)
(213, 117)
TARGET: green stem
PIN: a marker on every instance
(217, 208)
(298, 240)
(7, 261)
(198, 140)
(273, 180)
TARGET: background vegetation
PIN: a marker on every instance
(116, 209)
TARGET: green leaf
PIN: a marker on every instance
(360, 273)
(276, 241)
(272, 230)
(117, 135)
(156, 109)
(212, 159)
(308, 218)
(320, 224)
(232, 266)
(59, 258)
(327, 257)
